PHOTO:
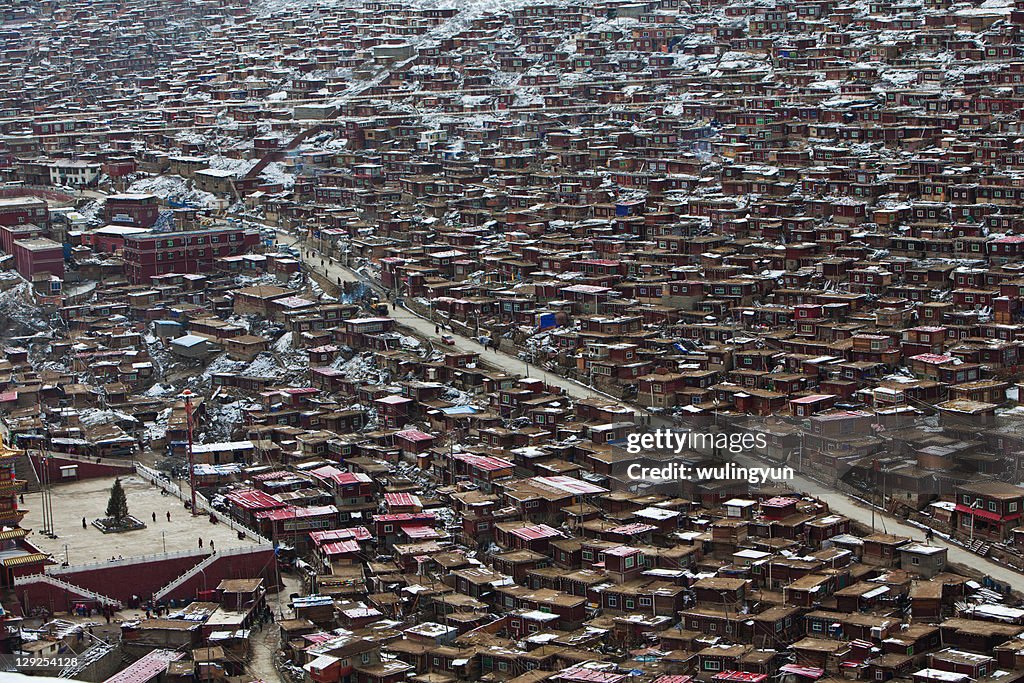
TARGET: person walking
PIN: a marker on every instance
(84, 525)
(168, 515)
(154, 518)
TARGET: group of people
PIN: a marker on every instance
(85, 523)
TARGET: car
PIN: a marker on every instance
(448, 339)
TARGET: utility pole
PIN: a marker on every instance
(187, 396)
(47, 497)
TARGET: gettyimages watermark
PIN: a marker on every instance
(728, 471)
(668, 442)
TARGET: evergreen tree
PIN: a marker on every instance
(117, 505)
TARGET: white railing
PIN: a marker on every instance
(207, 561)
(149, 474)
(70, 587)
(122, 562)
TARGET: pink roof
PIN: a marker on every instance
(401, 499)
(340, 477)
(147, 668)
(268, 476)
(932, 358)
(814, 398)
(9, 396)
(585, 675)
(778, 502)
(301, 391)
(292, 512)
(421, 532)
(414, 435)
(400, 517)
(586, 289)
(340, 548)
(251, 499)
(669, 678)
(570, 484)
(1009, 239)
(488, 463)
(622, 551)
(632, 529)
(805, 671)
(531, 533)
(740, 676)
(346, 478)
(325, 472)
(359, 533)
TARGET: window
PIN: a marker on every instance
(991, 506)
(630, 562)
(879, 675)
(389, 528)
(915, 561)
(1011, 507)
(645, 602)
(712, 665)
(366, 658)
(613, 601)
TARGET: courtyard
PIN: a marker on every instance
(88, 499)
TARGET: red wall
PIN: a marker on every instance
(52, 598)
(250, 565)
(122, 580)
(86, 469)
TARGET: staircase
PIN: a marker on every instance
(69, 587)
(207, 561)
(26, 471)
(178, 582)
(978, 546)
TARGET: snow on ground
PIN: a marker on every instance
(264, 365)
(90, 417)
(223, 419)
(361, 367)
(158, 428)
(175, 188)
(221, 364)
(19, 313)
